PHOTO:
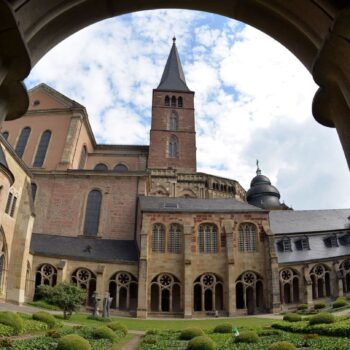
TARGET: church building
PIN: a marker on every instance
(141, 223)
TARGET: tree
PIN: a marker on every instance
(67, 297)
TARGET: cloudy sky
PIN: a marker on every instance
(253, 98)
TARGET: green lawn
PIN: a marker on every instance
(138, 324)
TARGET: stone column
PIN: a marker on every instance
(308, 285)
(142, 300)
(100, 284)
(62, 272)
(188, 280)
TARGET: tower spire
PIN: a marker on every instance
(173, 77)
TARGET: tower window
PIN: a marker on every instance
(173, 121)
(173, 101)
(42, 149)
(247, 237)
(83, 156)
(180, 102)
(167, 101)
(173, 147)
(92, 213)
(22, 141)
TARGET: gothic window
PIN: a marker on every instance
(158, 238)
(284, 245)
(344, 270)
(173, 147)
(167, 101)
(92, 213)
(8, 203)
(22, 141)
(165, 293)
(180, 102)
(120, 168)
(173, 101)
(320, 278)
(208, 293)
(174, 238)
(173, 122)
(289, 286)
(101, 167)
(42, 149)
(5, 134)
(123, 290)
(86, 280)
(208, 238)
(247, 237)
(83, 156)
(34, 189)
(331, 241)
(46, 274)
(302, 244)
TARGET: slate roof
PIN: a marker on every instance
(293, 221)
(197, 205)
(84, 248)
(173, 77)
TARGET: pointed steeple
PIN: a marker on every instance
(173, 77)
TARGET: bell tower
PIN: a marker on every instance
(173, 135)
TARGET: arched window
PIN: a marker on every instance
(83, 156)
(289, 286)
(46, 274)
(208, 238)
(120, 168)
(174, 238)
(42, 149)
(344, 270)
(92, 213)
(22, 141)
(173, 147)
(5, 134)
(86, 280)
(180, 102)
(247, 237)
(173, 101)
(173, 123)
(320, 278)
(34, 189)
(158, 238)
(101, 167)
(167, 101)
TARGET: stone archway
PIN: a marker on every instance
(316, 32)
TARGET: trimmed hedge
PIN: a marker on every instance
(223, 328)
(339, 302)
(45, 317)
(73, 342)
(323, 317)
(282, 345)
(302, 307)
(149, 339)
(116, 326)
(292, 317)
(190, 333)
(13, 320)
(320, 305)
(201, 343)
(269, 332)
(104, 332)
(247, 337)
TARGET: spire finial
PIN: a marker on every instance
(258, 171)
(174, 39)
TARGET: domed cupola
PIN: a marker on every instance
(262, 194)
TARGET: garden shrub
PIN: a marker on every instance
(269, 332)
(340, 302)
(6, 331)
(282, 345)
(223, 328)
(149, 339)
(323, 317)
(320, 305)
(104, 332)
(292, 317)
(189, 333)
(201, 342)
(116, 326)
(45, 317)
(6, 343)
(247, 337)
(302, 307)
(152, 332)
(52, 333)
(73, 342)
(311, 336)
(32, 326)
(13, 320)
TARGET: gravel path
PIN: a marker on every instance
(132, 343)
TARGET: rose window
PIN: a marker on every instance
(208, 280)
(123, 278)
(286, 275)
(165, 280)
(47, 270)
(319, 270)
(249, 278)
(83, 275)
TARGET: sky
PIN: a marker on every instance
(252, 98)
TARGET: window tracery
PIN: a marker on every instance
(289, 286)
(174, 238)
(86, 280)
(46, 274)
(320, 278)
(247, 237)
(158, 238)
(208, 238)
